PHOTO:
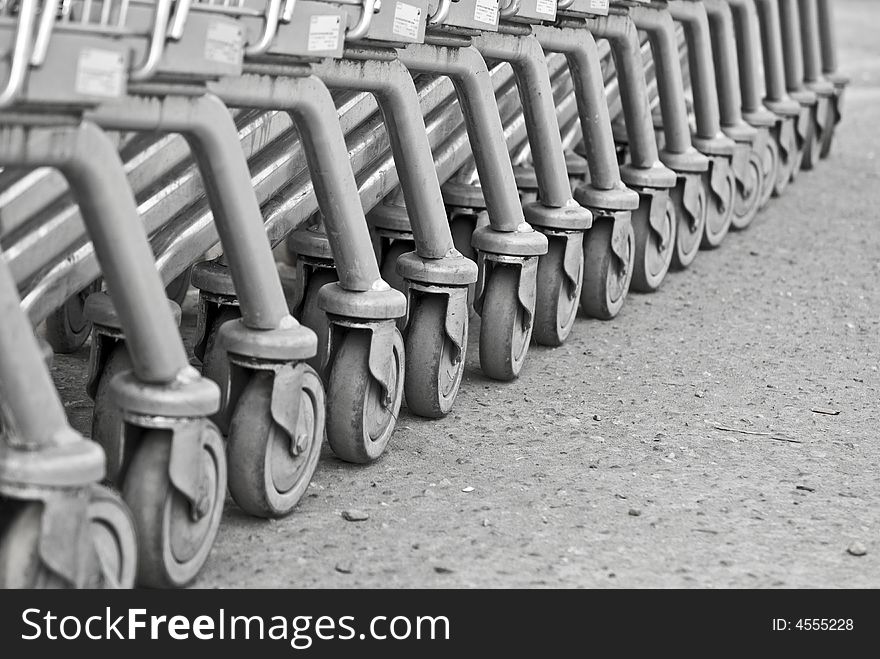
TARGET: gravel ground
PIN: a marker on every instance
(603, 465)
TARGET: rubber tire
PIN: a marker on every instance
(717, 222)
(745, 207)
(256, 445)
(113, 536)
(606, 279)
(156, 507)
(652, 260)
(504, 342)
(351, 395)
(687, 242)
(556, 306)
(432, 381)
(67, 329)
(770, 165)
(107, 418)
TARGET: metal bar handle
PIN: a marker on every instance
(272, 16)
(442, 12)
(163, 26)
(363, 25)
(44, 31)
(18, 63)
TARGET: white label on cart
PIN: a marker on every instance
(100, 73)
(324, 32)
(600, 5)
(224, 43)
(406, 20)
(486, 11)
(546, 7)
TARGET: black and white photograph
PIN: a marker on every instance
(464, 307)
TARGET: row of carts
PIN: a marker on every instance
(347, 184)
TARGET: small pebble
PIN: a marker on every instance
(467, 489)
(857, 549)
(442, 570)
(634, 512)
(354, 515)
(343, 568)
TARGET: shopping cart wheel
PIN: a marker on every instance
(462, 226)
(389, 263)
(174, 535)
(67, 329)
(748, 193)
(606, 275)
(830, 126)
(558, 294)
(111, 532)
(215, 364)
(360, 417)
(107, 421)
(432, 380)
(719, 209)
(691, 223)
(268, 469)
(313, 316)
(770, 164)
(653, 249)
(504, 332)
(788, 160)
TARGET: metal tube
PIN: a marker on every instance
(771, 44)
(213, 138)
(529, 64)
(620, 31)
(467, 70)
(311, 106)
(809, 27)
(791, 44)
(31, 408)
(693, 17)
(398, 100)
(726, 61)
(828, 37)
(748, 50)
(670, 82)
(582, 55)
(91, 164)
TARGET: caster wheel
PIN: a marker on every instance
(813, 143)
(653, 251)
(830, 128)
(432, 381)
(770, 165)
(748, 194)
(359, 421)
(107, 421)
(112, 534)
(174, 538)
(504, 337)
(67, 329)
(216, 362)
(788, 159)
(557, 301)
(719, 212)
(606, 276)
(314, 317)
(269, 472)
(114, 539)
(689, 233)
(389, 263)
(178, 288)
